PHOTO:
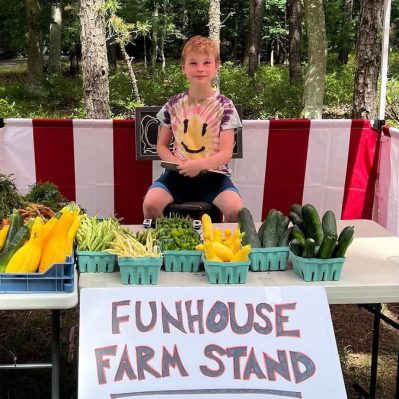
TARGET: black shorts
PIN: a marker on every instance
(205, 187)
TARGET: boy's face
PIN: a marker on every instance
(200, 68)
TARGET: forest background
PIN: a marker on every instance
(268, 48)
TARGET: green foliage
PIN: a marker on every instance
(46, 193)
(9, 196)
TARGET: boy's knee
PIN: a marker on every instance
(152, 209)
(231, 214)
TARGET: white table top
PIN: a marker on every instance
(367, 275)
(41, 300)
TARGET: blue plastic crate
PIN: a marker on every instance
(58, 278)
(268, 259)
(315, 269)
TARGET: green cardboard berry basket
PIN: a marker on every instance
(227, 272)
(268, 259)
(140, 271)
(95, 262)
(182, 261)
(315, 269)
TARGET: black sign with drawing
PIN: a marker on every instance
(147, 127)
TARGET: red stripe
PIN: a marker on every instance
(131, 178)
(54, 154)
(361, 172)
(285, 164)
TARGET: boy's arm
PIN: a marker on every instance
(192, 168)
(163, 151)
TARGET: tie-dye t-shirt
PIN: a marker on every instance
(197, 124)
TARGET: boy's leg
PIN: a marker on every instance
(229, 202)
(155, 202)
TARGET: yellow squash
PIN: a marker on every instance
(3, 234)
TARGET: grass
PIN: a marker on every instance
(28, 335)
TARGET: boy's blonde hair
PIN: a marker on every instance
(203, 45)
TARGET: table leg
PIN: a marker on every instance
(55, 354)
(375, 351)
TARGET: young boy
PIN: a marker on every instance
(201, 121)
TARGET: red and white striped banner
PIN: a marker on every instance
(329, 163)
(388, 181)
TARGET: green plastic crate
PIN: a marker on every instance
(227, 272)
(268, 259)
(314, 269)
(95, 262)
(182, 261)
(142, 271)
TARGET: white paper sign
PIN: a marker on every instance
(220, 342)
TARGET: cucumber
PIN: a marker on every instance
(329, 224)
(282, 225)
(247, 226)
(296, 247)
(296, 208)
(309, 248)
(270, 233)
(344, 240)
(16, 221)
(295, 219)
(284, 240)
(312, 223)
(297, 234)
(327, 247)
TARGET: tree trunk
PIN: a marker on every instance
(145, 52)
(154, 43)
(294, 17)
(94, 59)
(368, 59)
(54, 59)
(214, 31)
(317, 59)
(131, 74)
(163, 34)
(34, 51)
(345, 46)
(256, 11)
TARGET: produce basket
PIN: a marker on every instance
(58, 278)
(139, 270)
(182, 261)
(268, 259)
(314, 269)
(95, 261)
(227, 272)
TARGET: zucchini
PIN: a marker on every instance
(327, 247)
(270, 233)
(16, 221)
(329, 224)
(247, 226)
(16, 242)
(309, 248)
(296, 247)
(297, 234)
(312, 223)
(344, 240)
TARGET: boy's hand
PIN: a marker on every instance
(191, 168)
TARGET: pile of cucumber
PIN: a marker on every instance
(315, 238)
(273, 232)
(302, 230)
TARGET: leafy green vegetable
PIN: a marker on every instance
(46, 193)
(9, 196)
